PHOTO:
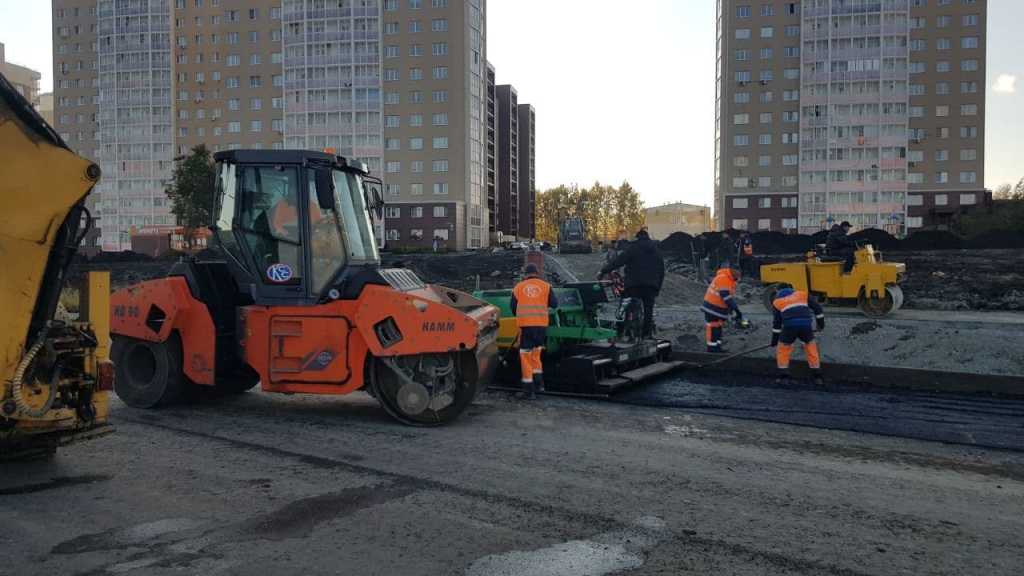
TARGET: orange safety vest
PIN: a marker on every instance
(722, 281)
(532, 297)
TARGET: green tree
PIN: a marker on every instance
(191, 191)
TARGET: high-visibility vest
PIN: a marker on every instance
(713, 297)
(532, 297)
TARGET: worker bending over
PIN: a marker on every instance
(795, 313)
(531, 300)
(719, 305)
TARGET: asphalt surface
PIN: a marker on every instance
(267, 484)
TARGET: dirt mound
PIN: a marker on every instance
(879, 239)
(931, 240)
(779, 243)
(997, 239)
(677, 243)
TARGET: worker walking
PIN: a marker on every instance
(719, 305)
(645, 273)
(531, 300)
(745, 254)
(795, 314)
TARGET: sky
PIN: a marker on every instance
(625, 90)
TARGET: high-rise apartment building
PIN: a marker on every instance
(527, 156)
(435, 125)
(25, 80)
(828, 110)
(492, 151)
(507, 120)
(399, 85)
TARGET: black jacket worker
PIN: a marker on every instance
(644, 274)
(840, 244)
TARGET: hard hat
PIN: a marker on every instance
(531, 270)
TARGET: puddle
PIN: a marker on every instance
(604, 553)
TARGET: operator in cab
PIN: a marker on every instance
(795, 315)
(719, 305)
(840, 245)
(531, 300)
(644, 274)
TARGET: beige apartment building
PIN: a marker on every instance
(662, 221)
(25, 80)
(870, 111)
(138, 83)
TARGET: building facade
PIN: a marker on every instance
(507, 120)
(527, 156)
(492, 159)
(25, 80)
(662, 221)
(830, 110)
(400, 85)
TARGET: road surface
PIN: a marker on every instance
(265, 484)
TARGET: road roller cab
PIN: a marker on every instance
(293, 298)
(872, 285)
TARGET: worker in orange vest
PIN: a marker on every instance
(795, 315)
(531, 300)
(719, 304)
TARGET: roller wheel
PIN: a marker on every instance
(768, 296)
(424, 390)
(879, 307)
(148, 374)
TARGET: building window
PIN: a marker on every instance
(739, 202)
(392, 144)
(741, 97)
(440, 119)
(416, 120)
(767, 32)
(941, 155)
(765, 202)
(417, 167)
(416, 189)
(789, 223)
(438, 166)
(915, 200)
(415, 74)
(764, 160)
(393, 212)
(743, 33)
(393, 167)
(440, 142)
(392, 98)
(440, 96)
(415, 143)
(439, 212)
(391, 121)
(914, 221)
(741, 119)
(440, 188)
(969, 42)
(968, 154)
(439, 48)
(941, 200)
(968, 199)
(764, 223)
(415, 96)
(391, 51)
(391, 74)
(440, 72)
(968, 177)
(416, 234)
(441, 233)
(741, 140)
(439, 25)
(743, 11)
(739, 224)
(394, 234)
(968, 109)
(788, 201)
(942, 177)
(764, 139)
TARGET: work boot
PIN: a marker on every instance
(781, 378)
(528, 392)
(538, 383)
(817, 378)
(717, 350)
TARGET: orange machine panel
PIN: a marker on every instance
(309, 349)
(154, 309)
(313, 350)
(424, 324)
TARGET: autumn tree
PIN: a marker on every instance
(605, 210)
(191, 191)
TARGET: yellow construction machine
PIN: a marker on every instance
(872, 285)
(54, 374)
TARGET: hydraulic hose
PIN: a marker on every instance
(19, 376)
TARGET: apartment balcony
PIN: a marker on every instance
(332, 60)
(330, 12)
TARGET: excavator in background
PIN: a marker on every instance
(55, 377)
(294, 299)
(572, 236)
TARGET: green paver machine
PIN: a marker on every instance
(594, 345)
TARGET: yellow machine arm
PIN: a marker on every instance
(43, 185)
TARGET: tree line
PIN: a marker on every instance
(607, 211)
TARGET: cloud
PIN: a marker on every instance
(1005, 84)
